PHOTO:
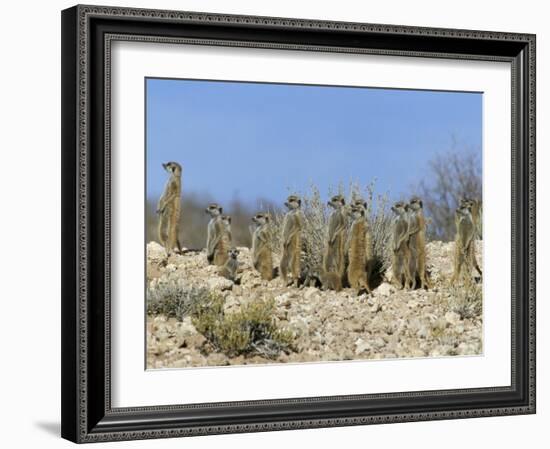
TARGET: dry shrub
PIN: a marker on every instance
(175, 300)
(450, 176)
(251, 330)
(467, 300)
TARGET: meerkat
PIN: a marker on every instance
(475, 209)
(464, 247)
(293, 225)
(226, 220)
(169, 208)
(262, 254)
(229, 268)
(334, 256)
(360, 202)
(330, 280)
(217, 242)
(417, 243)
(357, 254)
(400, 248)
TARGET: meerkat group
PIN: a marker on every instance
(348, 251)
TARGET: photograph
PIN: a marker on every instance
(296, 223)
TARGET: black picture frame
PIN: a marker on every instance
(87, 414)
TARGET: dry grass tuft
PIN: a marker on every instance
(175, 300)
(467, 300)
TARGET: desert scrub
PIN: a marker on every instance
(467, 300)
(251, 330)
(175, 300)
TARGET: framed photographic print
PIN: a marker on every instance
(267, 221)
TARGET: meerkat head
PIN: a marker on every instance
(415, 204)
(260, 219)
(360, 202)
(233, 253)
(293, 202)
(464, 209)
(399, 208)
(465, 202)
(226, 219)
(357, 212)
(173, 168)
(214, 210)
(336, 202)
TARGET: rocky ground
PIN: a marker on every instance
(327, 325)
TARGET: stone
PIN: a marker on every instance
(362, 346)
(452, 318)
(219, 283)
(155, 252)
(385, 289)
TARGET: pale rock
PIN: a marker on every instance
(155, 252)
(217, 359)
(219, 283)
(452, 318)
(385, 289)
(362, 346)
(170, 268)
(423, 332)
(378, 343)
(310, 293)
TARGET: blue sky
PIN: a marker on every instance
(253, 140)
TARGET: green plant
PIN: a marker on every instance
(250, 330)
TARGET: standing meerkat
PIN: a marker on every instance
(229, 269)
(169, 208)
(475, 210)
(357, 250)
(334, 257)
(400, 247)
(464, 247)
(417, 243)
(262, 254)
(226, 220)
(217, 241)
(360, 202)
(291, 237)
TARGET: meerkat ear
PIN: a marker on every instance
(299, 201)
(221, 210)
